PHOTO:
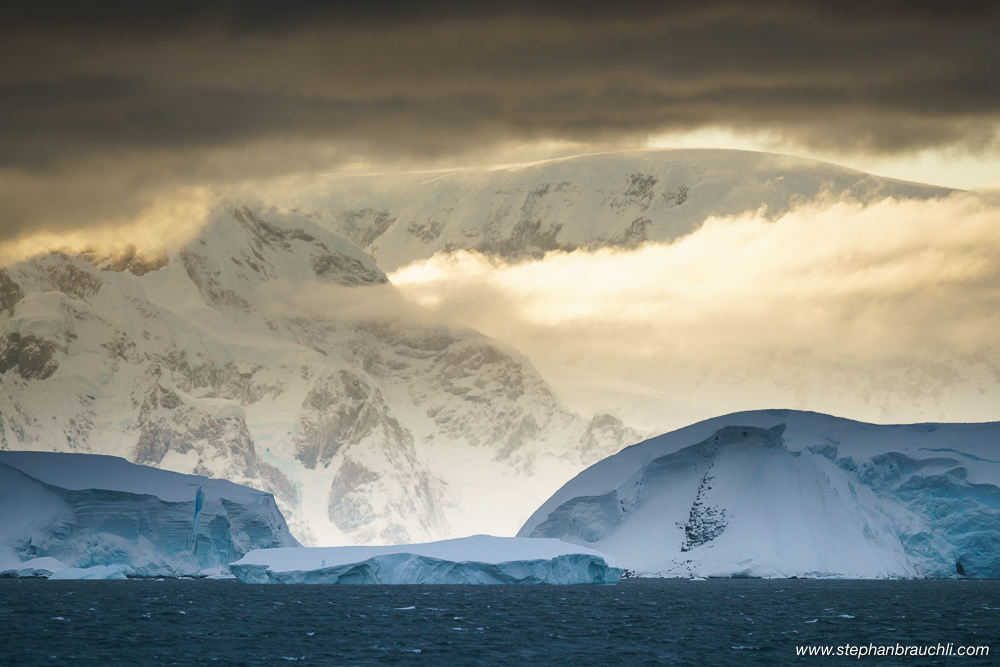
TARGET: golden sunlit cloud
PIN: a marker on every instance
(172, 219)
(902, 296)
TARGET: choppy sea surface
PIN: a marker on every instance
(638, 622)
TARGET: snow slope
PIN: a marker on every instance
(610, 199)
(273, 353)
(784, 493)
(480, 559)
(85, 511)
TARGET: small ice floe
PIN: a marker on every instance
(59, 618)
(404, 608)
(698, 579)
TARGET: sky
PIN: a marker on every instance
(124, 122)
(113, 112)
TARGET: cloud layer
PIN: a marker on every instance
(890, 312)
(105, 106)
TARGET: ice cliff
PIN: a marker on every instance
(83, 511)
(784, 493)
(480, 559)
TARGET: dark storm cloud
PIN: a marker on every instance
(177, 91)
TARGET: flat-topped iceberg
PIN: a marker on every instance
(95, 572)
(481, 559)
(83, 511)
(35, 567)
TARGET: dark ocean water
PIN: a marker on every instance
(646, 622)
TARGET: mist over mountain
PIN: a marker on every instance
(366, 428)
(670, 285)
(273, 351)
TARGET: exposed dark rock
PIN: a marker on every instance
(634, 236)
(363, 226)
(339, 411)
(680, 195)
(639, 192)
(426, 231)
(10, 293)
(529, 236)
(31, 357)
(167, 424)
(350, 507)
(705, 522)
(344, 270)
(605, 435)
(133, 260)
(62, 273)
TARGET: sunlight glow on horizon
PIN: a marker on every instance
(948, 168)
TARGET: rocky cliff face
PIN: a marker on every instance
(231, 359)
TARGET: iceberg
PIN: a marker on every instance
(68, 511)
(784, 493)
(96, 572)
(481, 559)
(36, 567)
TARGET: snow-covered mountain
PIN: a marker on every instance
(786, 493)
(620, 199)
(87, 511)
(271, 352)
(610, 199)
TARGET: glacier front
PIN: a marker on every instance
(77, 511)
(783, 493)
(481, 559)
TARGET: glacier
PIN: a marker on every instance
(480, 559)
(785, 493)
(69, 515)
